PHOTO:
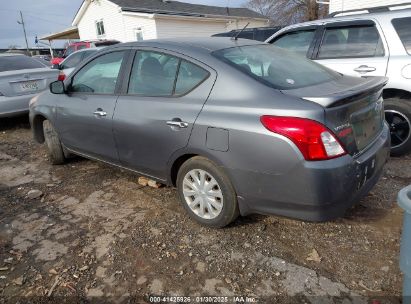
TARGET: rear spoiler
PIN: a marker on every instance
(374, 85)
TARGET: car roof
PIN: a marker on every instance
(358, 15)
(208, 44)
(11, 54)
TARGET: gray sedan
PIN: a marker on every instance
(21, 78)
(238, 126)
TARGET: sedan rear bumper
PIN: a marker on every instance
(314, 191)
(15, 105)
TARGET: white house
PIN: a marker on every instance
(134, 20)
(345, 5)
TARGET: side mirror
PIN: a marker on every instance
(56, 66)
(57, 87)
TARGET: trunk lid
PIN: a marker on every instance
(353, 108)
(24, 82)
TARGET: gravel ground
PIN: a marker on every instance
(94, 233)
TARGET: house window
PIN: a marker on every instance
(100, 28)
(139, 34)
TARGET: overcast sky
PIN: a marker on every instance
(47, 16)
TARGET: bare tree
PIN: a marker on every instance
(283, 12)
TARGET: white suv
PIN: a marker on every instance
(370, 42)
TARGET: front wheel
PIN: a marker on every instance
(398, 117)
(56, 153)
(207, 193)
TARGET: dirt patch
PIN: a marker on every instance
(103, 235)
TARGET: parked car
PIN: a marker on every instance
(80, 45)
(71, 62)
(238, 127)
(44, 59)
(256, 33)
(364, 44)
(21, 78)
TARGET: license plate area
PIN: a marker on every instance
(29, 86)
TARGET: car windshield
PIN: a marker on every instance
(276, 67)
(19, 62)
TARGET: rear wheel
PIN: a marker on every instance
(398, 117)
(56, 153)
(207, 193)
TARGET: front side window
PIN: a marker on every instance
(276, 67)
(298, 42)
(100, 75)
(19, 62)
(70, 50)
(403, 28)
(158, 74)
(72, 61)
(100, 28)
(351, 42)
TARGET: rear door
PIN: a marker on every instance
(354, 48)
(159, 105)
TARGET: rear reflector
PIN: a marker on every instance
(312, 138)
(61, 76)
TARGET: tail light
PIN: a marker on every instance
(314, 140)
(61, 76)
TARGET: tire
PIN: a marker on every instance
(398, 117)
(224, 207)
(53, 143)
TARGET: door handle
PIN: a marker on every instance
(177, 123)
(100, 113)
(362, 69)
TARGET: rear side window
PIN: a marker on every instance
(298, 42)
(403, 28)
(153, 74)
(351, 42)
(158, 74)
(10, 63)
(276, 67)
(189, 76)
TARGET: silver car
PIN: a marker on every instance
(364, 43)
(21, 78)
(238, 126)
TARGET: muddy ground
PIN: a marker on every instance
(96, 234)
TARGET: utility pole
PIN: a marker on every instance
(24, 30)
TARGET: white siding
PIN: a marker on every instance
(344, 5)
(112, 18)
(169, 28)
(135, 21)
(122, 26)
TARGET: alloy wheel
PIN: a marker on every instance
(400, 127)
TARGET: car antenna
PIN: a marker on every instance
(239, 33)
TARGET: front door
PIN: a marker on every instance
(353, 48)
(84, 114)
(156, 113)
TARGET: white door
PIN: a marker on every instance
(353, 48)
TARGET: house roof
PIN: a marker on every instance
(168, 7)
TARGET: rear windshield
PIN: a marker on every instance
(403, 28)
(10, 63)
(276, 67)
